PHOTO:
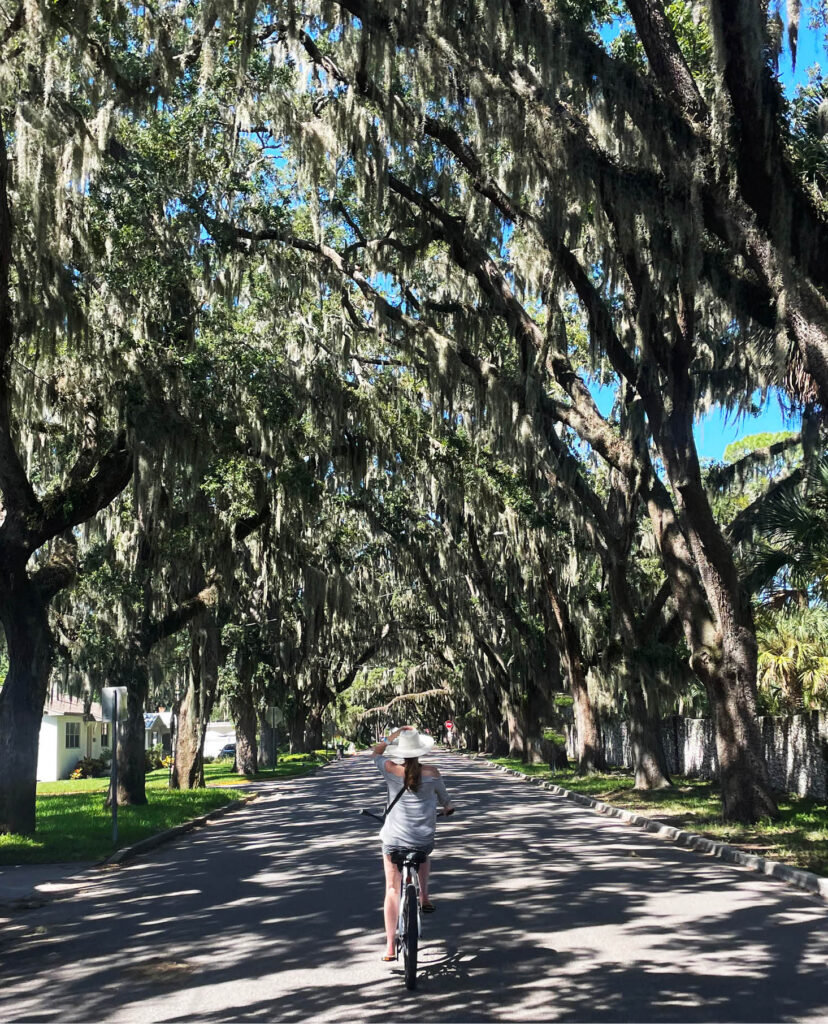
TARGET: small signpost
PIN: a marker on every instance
(273, 716)
(449, 726)
(114, 709)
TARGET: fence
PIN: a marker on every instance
(795, 749)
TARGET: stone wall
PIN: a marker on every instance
(795, 748)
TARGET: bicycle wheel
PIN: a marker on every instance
(412, 936)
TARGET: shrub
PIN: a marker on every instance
(89, 768)
(209, 759)
(154, 758)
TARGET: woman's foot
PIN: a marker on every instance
(427, 907)
(389, 957)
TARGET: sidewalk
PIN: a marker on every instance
(26, 885)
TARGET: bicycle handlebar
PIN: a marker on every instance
(370, 814)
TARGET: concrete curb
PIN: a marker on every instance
(127, 852)
(806, 880)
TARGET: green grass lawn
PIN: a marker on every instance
(799, 836)
(220, 773)
(73, 824)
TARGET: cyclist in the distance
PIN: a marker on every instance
(410, 824)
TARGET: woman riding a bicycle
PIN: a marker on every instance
(411, 821)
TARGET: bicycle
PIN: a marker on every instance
(409, 919)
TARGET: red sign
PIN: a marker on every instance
(449, 725)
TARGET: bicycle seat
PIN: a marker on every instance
(401, 857)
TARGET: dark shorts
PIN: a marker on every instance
(389, 850)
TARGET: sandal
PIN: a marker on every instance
(427, 907)
(388, 959)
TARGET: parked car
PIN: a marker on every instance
(227, 751)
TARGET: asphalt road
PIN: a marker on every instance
(545, 911)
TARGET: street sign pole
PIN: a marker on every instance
(114, 775)
(273, 716)
(114, 707)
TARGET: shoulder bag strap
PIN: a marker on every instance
(393, 803)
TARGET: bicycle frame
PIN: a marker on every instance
(408, 876)
(409, 922)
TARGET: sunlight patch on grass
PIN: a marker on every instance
(77, 826)
(799, 836)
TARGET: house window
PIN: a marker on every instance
(105, 736)
(72, 735)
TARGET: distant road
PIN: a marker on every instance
(545, 911)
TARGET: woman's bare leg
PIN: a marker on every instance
(424, 870)
(392, 904)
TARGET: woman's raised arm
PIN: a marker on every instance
(379, 748)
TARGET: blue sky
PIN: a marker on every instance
(810, 50)
(718, 428)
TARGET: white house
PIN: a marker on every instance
(67, 735)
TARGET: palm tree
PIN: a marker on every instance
(793, 658)
(789, 526)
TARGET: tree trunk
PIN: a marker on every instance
(296, 718)
(647, 748)
(267, 742)
(515, 726)
(725, 657)
(243, 710)
(474, 737)
(794, 692)
(247, 748)
(649, 762)
(590, 753)
(314, 735)
(497, 740)
(188, 770)
(523, 720)
(24, 615)
(742, 770)
(197, 705)
(132, 784)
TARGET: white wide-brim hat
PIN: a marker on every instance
(410, 744)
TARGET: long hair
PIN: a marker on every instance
(413, 774)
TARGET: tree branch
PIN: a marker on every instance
(19, 498)
(347, 680)
(666, 59)
(183, 613)
(421, 695)
(75, 505)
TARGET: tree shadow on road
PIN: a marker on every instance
(544, 912)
